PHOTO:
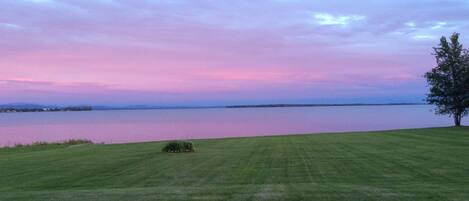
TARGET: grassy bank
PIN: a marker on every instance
(421, 164)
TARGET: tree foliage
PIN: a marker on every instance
(449, 80)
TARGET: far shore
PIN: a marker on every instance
(322, 105)
(249, 106)
(20, 109)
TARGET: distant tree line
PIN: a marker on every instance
(47, 109)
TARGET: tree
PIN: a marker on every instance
(449, 80)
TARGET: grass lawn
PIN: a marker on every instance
(420, 164)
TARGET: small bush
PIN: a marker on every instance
(41, 143)
(77, 141)
(178, 146)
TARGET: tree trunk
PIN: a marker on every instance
(457, 119)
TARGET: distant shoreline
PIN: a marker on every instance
(251, 106)
(107, 108)
(319, 105)
(45, 109)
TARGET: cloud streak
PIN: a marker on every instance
(342, 20)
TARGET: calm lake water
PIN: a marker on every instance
(121, 126)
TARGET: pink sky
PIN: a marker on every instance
(220, 52)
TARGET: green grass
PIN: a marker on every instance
(420, 164)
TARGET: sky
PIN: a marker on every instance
(186, 52)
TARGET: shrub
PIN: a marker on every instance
(178, 146)
(77, 141)
(42, 143)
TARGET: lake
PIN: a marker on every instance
(122, 126)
